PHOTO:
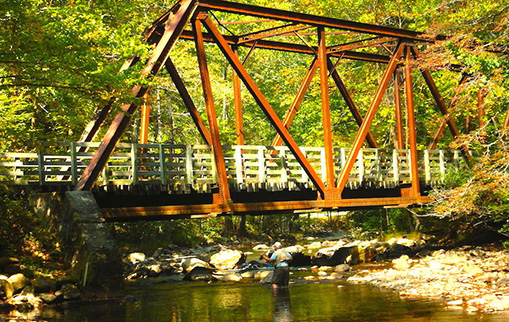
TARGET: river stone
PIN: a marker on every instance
(227, 259)
(227, 277)
(314, 245)
(261, 248)
(299, 259)
(262, 274)
(6, 288)
(401, 263)
(136, 257)
(43, 284)
(70, 292)
(347, 254)
(48, 298)
(199, 273)
(189, 264)
(342, 268)
(18, 281)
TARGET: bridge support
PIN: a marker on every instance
(88, 247)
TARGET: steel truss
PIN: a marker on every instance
(191, 20)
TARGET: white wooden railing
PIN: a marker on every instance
(248, 167)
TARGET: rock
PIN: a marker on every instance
(199, 273)
(314, 245)
(401, 263)
(472, 269)
(248, 274)
(227, 277)
(227, 259)
(260, 275)
(43, 284)
(18, 281)
(261, 248)
(48, 298)
(70, 292)
(366, 252)
(6, 288)
(339, 256)
(299, 259)
(342, 268)
(136, 257)
(189, 264)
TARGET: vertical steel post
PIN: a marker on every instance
(237, 101)
(326, 122)
(217, 150)
(370, 115)
(145, 119)
(412, 133)
(400, 144)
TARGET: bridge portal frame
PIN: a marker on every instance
(171, 26)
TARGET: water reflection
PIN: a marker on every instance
(282, 309)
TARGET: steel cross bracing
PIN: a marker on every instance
(194, 20)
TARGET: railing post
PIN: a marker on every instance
(134, 163)
(303, 171)
(238, 164)
(162, 164)
(74, 164)
(284, 172)
(104, 172)
(40, 167)
(456, 160)
(189, 164)
(378, 166)
(427, 169)
(395, 166)
(442, 165)
(261, 164)
(360, 162)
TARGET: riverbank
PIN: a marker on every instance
(470, 278)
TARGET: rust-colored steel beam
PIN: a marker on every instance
(370, 115)
(400, 141)
(145, 119)
(326, 122)
(349, 102)
(272, 32)
(295, 106)
(480, 107)
(412, 126)
(237, 102)
(264, 105)
(452, 105)
(295, 17)
(222, 181)
(188, 101)
(369, 42)
(169, 212)
(117, 128)
(293, 48)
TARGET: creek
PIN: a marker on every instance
(174, 300)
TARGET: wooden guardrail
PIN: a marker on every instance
(183, 167)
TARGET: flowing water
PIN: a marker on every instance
(252, 301)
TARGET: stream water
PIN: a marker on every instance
(251, 301)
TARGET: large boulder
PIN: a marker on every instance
(299, 259)
(200, 273)
(6, 288)
(18, 281)
(189, 264)
(342, 255)
(228, 259)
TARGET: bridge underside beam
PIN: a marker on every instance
(208, 210)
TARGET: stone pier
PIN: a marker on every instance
(89, 250)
